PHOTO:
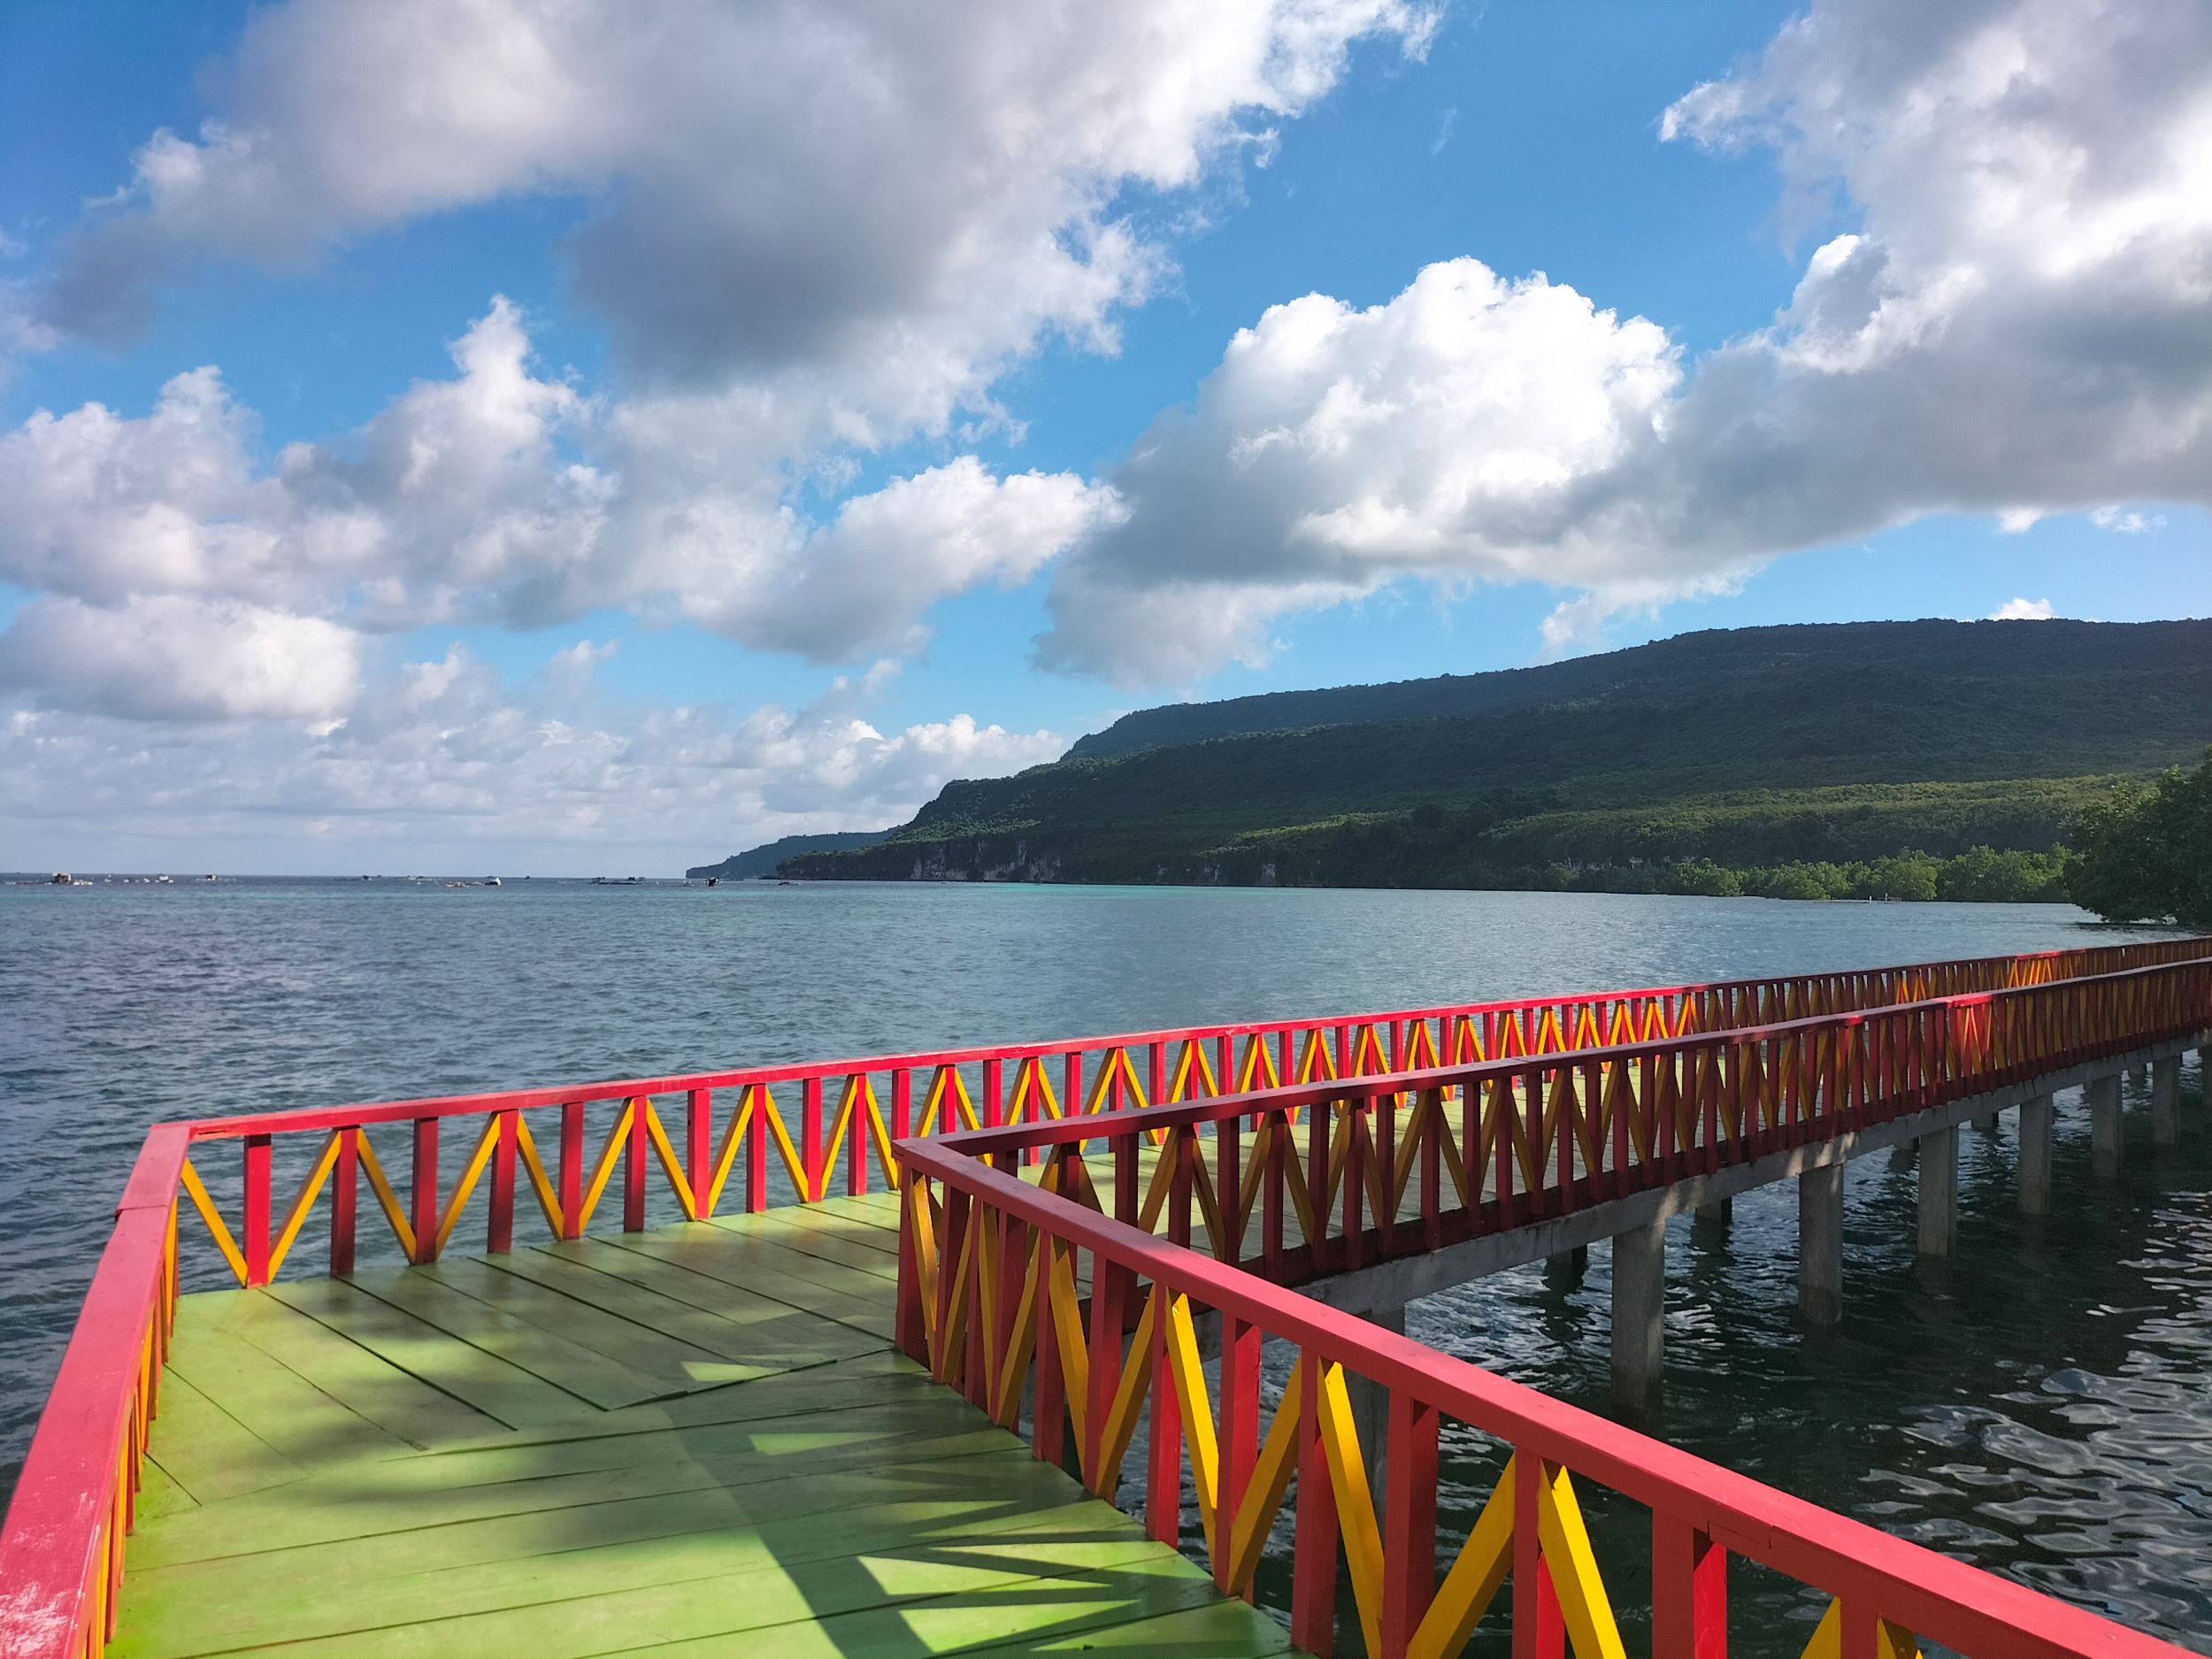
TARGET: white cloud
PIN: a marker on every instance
(169, 658)
(2021, 324)
(497, 495)
(439, 762)
(2125, 521)
(2023, 611)
(1450, 433)
(890, 200)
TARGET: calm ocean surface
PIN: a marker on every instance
(2042, 1404)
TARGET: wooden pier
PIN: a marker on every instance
(693, 1438)
(899, 1419)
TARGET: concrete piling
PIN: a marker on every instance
(1820, 1245)
(1939, 1192)
(2166, 1102)
(1639, 1316)
(2036, 1120)
(2103, 1094)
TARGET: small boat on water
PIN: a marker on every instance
(491, 881)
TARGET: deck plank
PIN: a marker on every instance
(539, 1455)
(400, 1404)
(507, 1393)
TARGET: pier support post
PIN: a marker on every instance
(2036, 1117)
(1564, 1270)
(1639, 1316)
(2103, 1094)
(1371, 1404)
(1820, 1245)
(1939, 1192)
(1986, 1122)
(2166, 1102)
(1712, 1219)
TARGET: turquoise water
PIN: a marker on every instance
(2040, 1404)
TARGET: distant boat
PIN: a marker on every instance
(62, 879)
(714, 881)
(491, 881)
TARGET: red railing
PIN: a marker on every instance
(991, 1293)
(61, 1550)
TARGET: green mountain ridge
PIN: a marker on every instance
(756, 863)
(1752, 746)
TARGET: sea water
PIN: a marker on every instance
(2039, 1404)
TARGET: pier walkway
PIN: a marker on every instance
(692, 1439)
(897, 1420)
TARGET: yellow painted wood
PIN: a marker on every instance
(387, 1199)
(1356, 1504)
(1271, 1479)
(471, 1173)
(1468, 1589)
(1891, 1642)
(1121, 1417)
(1198, 1416)
(197, 1190)
(1582, 1603)
(533, 1166)
(302, 1202)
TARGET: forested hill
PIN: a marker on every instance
(1689, 666)
(756, 863)
(1757, 747)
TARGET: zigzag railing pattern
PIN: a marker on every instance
(854, 1112)
(1014, 1289)
(61, 1552)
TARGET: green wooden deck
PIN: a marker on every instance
(691, 1440)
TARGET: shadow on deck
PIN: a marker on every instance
(620, 1445)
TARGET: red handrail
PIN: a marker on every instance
(61, 1547)
(987, 1296)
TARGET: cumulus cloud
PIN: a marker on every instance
(172, 658)
(811, 232)
(441, 756)
(2023, 611)
(2020, 324)
(893, 198)
(1452, 432)
(501, 495)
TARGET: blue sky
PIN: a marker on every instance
(1753, 337)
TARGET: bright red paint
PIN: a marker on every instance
(57, 1561)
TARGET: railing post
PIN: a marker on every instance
(1239, 1435)
(344, 1193)
(423, 1194)
(699, 1145)
(636, 1155)
(1408, 1521)
(571, 1175)
(1313, 1547)
(810, 1140)
(1110, 1286)
(993, 1092)
(255, 1231)
(911, 1330)
(856, 1135)
(1164, 1461)
(499, 1231)
(1048, 1418)
(1689, 1592)
(756, 1152)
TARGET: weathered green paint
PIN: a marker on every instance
(695, 1439)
